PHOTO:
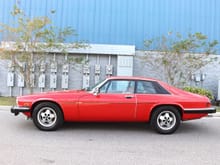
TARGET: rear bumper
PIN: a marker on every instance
(17, 110)
(200, 110)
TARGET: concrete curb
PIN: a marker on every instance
(217, 114)
(6, 108)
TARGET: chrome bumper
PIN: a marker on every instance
(17, 110)
(200, 110)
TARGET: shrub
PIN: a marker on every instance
(200, 91)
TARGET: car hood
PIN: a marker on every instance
(54, 94)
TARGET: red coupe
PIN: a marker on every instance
(116, 99)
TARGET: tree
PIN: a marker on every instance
(176, 58)
(29, 40)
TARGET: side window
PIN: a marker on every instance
(150, 87)
(145, 87)
(118, 86)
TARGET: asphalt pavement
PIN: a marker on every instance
(195, 142)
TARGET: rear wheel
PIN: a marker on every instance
(47, 116)
(165, 120)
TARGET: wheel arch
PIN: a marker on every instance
(46, 101)
(178, 107)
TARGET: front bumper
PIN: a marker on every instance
(200, 110)
(17, 110)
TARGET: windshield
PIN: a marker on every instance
(94, 86)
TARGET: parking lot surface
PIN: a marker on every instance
(195, 142)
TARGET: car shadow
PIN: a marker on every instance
(110, 126)
(186, 127)
(195, 127)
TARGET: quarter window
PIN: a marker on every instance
(145, 87)
(150, 87)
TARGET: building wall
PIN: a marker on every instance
(211, 72)
(3, 75)
(139, 69)
(75, 73)
(126, 22)
(123, 21)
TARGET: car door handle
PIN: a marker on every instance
(129, 96)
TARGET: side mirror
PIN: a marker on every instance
(96, 91)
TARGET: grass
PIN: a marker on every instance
(218, 109)
(7, 101)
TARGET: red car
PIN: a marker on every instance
(116, 99)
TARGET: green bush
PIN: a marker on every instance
(200, 91)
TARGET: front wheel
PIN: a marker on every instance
(165, 120)
(47, 116)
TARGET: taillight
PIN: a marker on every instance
(208, 104)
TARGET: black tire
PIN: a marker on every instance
(47, 116)
(165, 119)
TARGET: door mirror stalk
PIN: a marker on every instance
(96, 91)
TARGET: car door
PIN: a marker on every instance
(148, 94)
(114, 102)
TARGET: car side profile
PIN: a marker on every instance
(116, 99)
